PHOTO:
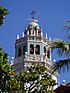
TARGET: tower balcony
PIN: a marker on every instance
(28, 59)
(33, 58)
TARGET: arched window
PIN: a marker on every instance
(29, 32)
(48, 53)
(19, 51)
(37, 49)
(45, 50)
(31, 49)
(39, 32)
(33, 32)
(24, 50)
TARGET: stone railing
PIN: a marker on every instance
(19, 62)
(38, 58)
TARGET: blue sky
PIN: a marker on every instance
(50, 13)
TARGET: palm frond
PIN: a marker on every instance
(62, 65)
(62, 46)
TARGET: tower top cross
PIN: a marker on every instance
(33, 14)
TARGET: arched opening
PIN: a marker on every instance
(45, 50)
(31, 49)
(24, 50)
(37, 49)
(39, 32)
(29, 32)
(48, 53)
(19, 51)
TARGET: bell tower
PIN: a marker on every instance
(32, 46)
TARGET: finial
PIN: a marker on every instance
(33, 13)
(17, 37)
(49, 38)
(22, 34)
(46, 36)
(33, 19)
(54, 60)
(63, 81)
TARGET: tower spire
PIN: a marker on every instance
(33, 14)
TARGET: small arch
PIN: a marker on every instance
(33, 32)
(37, 49)
(31, 49)
(45, 50)
(48, 53)
(19, 51)
(29, 32)
(39, 32)
(24, 48)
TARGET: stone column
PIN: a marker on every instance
(28, 32)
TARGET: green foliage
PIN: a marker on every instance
(35, 79)
(3, 13)
(61, 46)
(12, 83)
(7, 75)
(62, 65)
(36, 76)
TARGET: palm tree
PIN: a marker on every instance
(3, 13)
(63, 48)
